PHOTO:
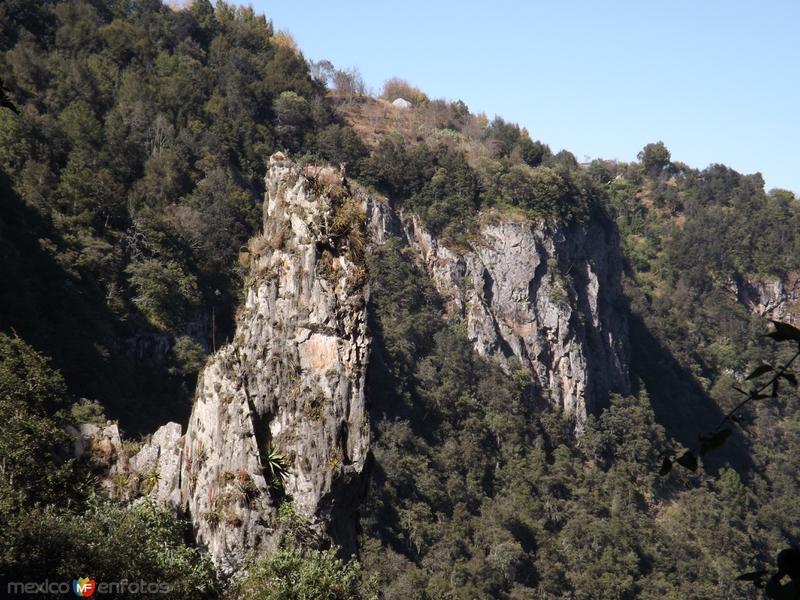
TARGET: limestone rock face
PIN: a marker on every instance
(102, 449)
(291, 382)
(157, 465)
(547, 296)
(770, 297)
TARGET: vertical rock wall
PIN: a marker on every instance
(291, 382)
(547, 296)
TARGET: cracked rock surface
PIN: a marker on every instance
(291, 382)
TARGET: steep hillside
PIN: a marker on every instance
(139, 152)
(374, 351)
(711, 257)
(280, 421)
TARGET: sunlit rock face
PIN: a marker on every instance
(769, 297)
(291, 383)
(544, 297)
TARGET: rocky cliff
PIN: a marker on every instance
(547, 296)
(770, 297)
(280, 415)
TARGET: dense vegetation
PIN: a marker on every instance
(699, 244)
(138, 155)
(132, 173)
(446, 185)
(54, 523)
(138, 158)
(477, 495)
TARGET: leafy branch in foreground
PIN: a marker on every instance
(711, 441)
(788, 560)
(788, 565)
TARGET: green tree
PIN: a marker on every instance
(110, 542)
(292, 114)
(654, 157)
(165, 292)
(34, 460)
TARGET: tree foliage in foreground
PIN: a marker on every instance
(300, 574)
(54, 524)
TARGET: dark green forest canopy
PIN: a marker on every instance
(478, 494)
(131, 172)
(137, 158)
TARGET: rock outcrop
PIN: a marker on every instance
(279, 413)
(157, 465)
(287, 394)
(548, 296)
(289, 389)
(769, 297)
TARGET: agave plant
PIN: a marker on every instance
(276, 468)
(150, 481)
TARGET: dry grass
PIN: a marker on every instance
(326, 266)
(328, 176)
(356, 280)
(348, 227)
(278, 235)
(244, 258)
(273, 239)
(375, 118)
(256, 245)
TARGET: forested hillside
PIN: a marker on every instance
(133, 153)
(509, 502)
(138, 158)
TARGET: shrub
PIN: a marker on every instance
(87, 411)
(291, 574)
(32, 443)
(189, 356)
(399, 88)
(111, 542)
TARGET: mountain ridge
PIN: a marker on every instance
(518, 339)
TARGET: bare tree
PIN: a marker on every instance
(160, 135)
(349, 84)
(322, 71)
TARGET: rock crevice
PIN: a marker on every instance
(289, 388)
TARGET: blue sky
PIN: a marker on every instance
(717, 81)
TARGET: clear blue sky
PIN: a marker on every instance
(717, 80)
